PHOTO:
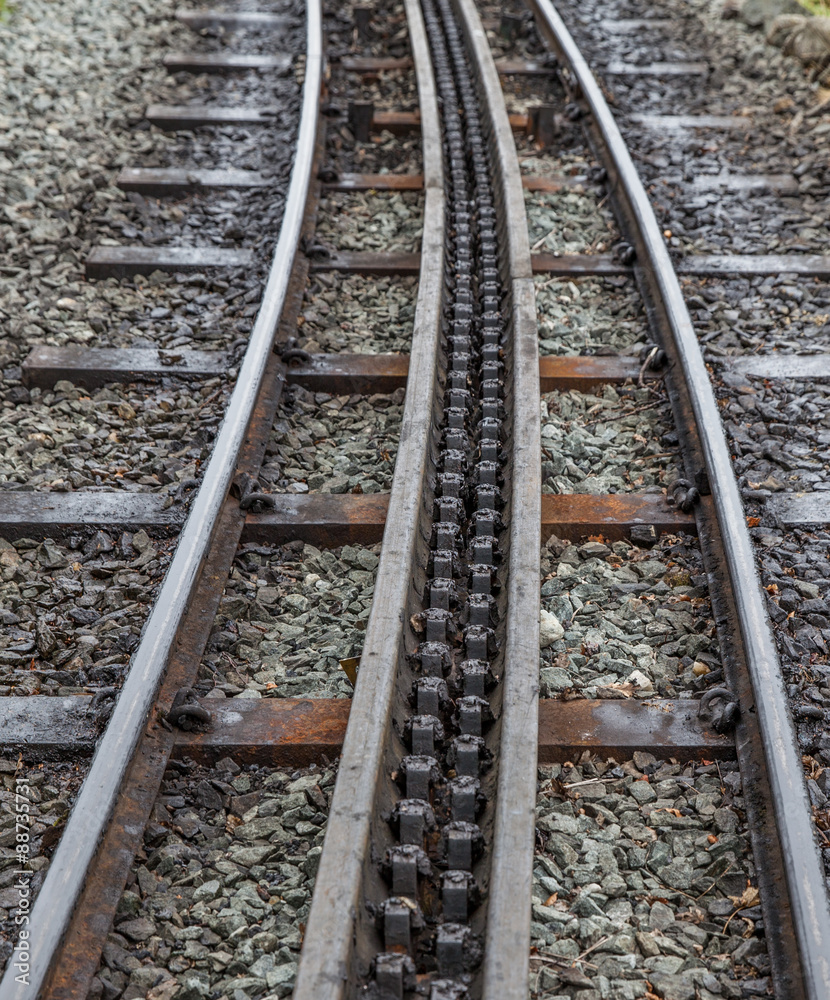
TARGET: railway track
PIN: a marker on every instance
(438, 832)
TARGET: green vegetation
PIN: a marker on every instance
(821, 8)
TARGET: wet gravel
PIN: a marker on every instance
(334, 444)
(795, 570)
(778, 431)
(217, 901)
(77, 79)
(523, 93)
(353, 314)
(73, 106)
(165, 311)
(392, 90)
(385, 153)
(72, 611)
(619, 621)
(589, 316)
(747, 77)
(47, 791)
(569, 157)
(288, 617)
(747, 223)
(644, 885)
(135, 437)
(388, 90)
(761, 315)
(619, 440)
(388, 35)
(775, 427)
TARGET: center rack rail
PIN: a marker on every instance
(427, 798)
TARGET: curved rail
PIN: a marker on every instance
(51, 913)
(801, 864)
(507, 944)
(327, 957)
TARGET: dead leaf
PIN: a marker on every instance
(783, 104)
(749, 897)
(349, 667)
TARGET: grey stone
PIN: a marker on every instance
(557, 823)
(249, 856)
(282, 974)
(660, 917)
(659, 855)
(207, 891)
(614, 885)
(726, 821)
(761, 13)
(678, 874)
(268, 828)
(721, 907)
(137, 930)
(646, 943)
(642, 792)
(673, 987)
(128, 906)
(553, 679)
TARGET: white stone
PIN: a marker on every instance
(549, 629)
(639, 678)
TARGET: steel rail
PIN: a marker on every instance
(799, 855)
(327, 960)
(507, 935)
(74, 856)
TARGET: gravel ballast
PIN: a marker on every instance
(617, 441)
(287, 619)
(644, 885)
(334, 444)
(762, 315)
(73, 104)
(387, 222)
(217, 900)
(589, 316)
(778, 430)
(775, 427)
(137, 437)
(73, 611)
(392, 90)
(619, 621)
(570, 221)
(353, 314)
(44, 793)
(747, 78)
